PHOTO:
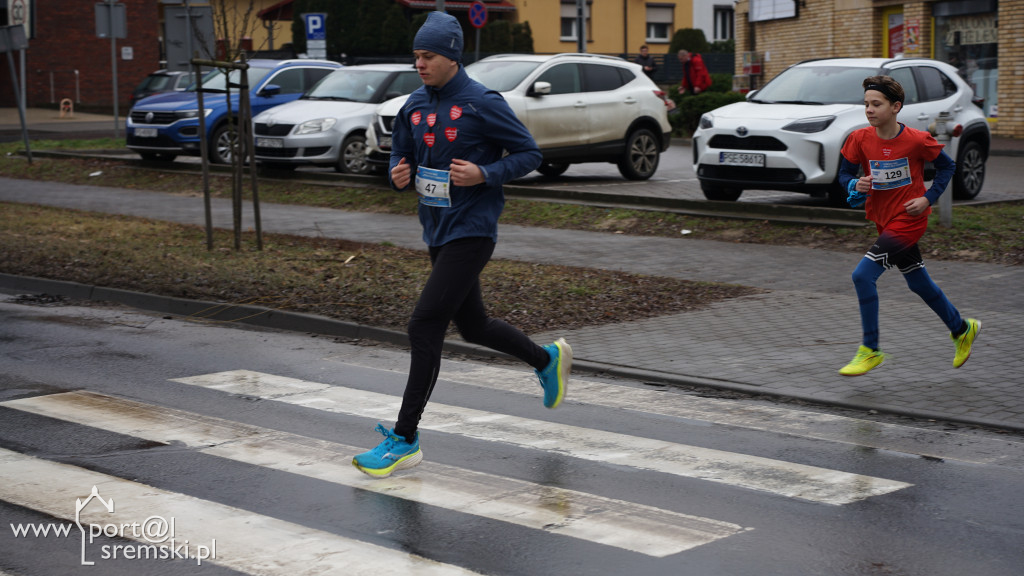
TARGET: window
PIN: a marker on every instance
(601, 78)
(905, 76)
(568, 33)
(405, 83)
(935, 84)
(724, 18)
(564, 78)
(659, 23)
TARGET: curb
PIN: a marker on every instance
(259, 316)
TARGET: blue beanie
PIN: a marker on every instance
(440, 34)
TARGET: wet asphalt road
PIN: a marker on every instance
(117, 398)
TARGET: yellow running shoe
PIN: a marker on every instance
(965, 341)
(865, 361)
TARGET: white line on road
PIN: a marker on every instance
(607, 521)
(942, 444)
(243, 540)
(783, 478)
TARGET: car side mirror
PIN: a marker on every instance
(539, 89)
(751, 94)
(270, 90)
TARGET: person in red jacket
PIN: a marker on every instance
(695, 75)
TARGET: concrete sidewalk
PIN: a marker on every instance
(788, 342)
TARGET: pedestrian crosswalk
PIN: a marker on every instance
(253, 543)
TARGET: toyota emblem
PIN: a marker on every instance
(149, 117)
(742, 130)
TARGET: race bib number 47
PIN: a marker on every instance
(890, 174)
(433, 187)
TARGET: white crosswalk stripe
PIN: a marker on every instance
(783, 478)
(941, 444)
(252, 543)
(603, 520)
(243, 540)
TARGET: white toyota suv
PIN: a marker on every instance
(788, 135)
(578, 107)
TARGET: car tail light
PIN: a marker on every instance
(957, 131)
(978, 101)
(661, 94)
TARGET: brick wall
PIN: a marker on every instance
(66, 42)
(1011, 70)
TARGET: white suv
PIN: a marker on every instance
(578, 107)
(787, 135)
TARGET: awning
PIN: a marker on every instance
(492, 6)
(280, 11)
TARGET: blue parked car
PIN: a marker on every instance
(163, 126)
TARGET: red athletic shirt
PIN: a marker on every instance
(889, 162)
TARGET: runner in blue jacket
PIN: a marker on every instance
(456, 143)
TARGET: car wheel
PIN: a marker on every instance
(352, 158)
(640, 159)
(222, 142)
(720, 193)
(158, 156)
(970, 171)
(552, 168)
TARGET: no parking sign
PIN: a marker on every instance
(477, 14)
(477, 17)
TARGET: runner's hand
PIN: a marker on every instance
(465, 173)
(401, 174)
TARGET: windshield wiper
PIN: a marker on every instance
(809, 102)
(335, 98)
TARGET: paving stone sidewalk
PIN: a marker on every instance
(788, 342)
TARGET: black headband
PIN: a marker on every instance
(884, 90)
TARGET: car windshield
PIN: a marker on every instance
(155, 82)
(816, 85)
(215, 80)
(349, 84)
(500, 75)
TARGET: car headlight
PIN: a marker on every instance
(192, 113)
(707, 121)
(314, 126)
(810, 125)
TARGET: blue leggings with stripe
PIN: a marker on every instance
(865, 278)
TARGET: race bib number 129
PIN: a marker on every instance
(890, 174)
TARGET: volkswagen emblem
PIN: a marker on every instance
(742, 130)
(149, 117)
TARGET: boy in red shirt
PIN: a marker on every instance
(893, 193)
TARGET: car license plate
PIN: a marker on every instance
(269, 143)
(384, 142)
(740, 159)
(145, 132)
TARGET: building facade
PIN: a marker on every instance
(980, 37)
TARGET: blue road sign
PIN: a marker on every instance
(315, 29)
(477, 14)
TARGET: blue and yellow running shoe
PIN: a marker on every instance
(394, 453)
(554, 378)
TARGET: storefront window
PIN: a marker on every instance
(970, 42)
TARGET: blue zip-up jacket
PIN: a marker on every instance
(463, 120)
